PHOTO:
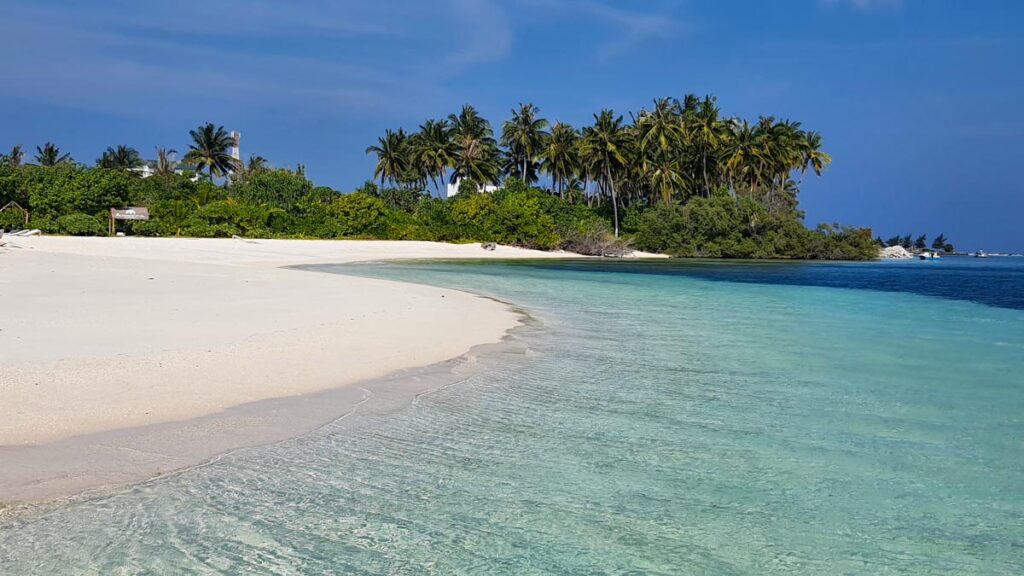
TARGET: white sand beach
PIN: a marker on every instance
(108, 334)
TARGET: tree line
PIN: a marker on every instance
(674, 151)
(679, 178)
(939, 244)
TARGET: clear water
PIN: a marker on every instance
(671, 418)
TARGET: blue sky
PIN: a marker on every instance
(919, 100)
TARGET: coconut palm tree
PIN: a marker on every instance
(813, 156)
(392, 156)
(49, 155)
(559, 156)
(661, 130)
(740, 154)
(524, 136)
(433, 149)
(476, 152)
(122, 157)
(666, 176)
(14, 157)
(602, 151)
(256, 163)
(166, 161)
(211, 149)
(661, 135)
(705, 134)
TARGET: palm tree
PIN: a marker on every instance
(661, 130)
(813, 156)
(705, 134)
(602, 151)
(524, 135)
(661, 135)
(49, 155)
(559, 156)
(256, 163)
(433, 150)
(211, 149)
(165, 161)
(392, 157)
(666, 175)
(122, 157)
(476, 152)
(740, 153)
(15, 156)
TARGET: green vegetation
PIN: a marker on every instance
(940, 244)
(679, 178)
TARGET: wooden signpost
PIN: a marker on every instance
(132, 213)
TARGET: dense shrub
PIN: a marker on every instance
(360, 215)
(79, 224)
(837, 242)
(277, 188)
(726, 227)
(68, 188)
(11, 219)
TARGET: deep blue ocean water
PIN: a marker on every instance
(668, 418)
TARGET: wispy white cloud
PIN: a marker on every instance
(485, 32)
(141, 59)
(865, 5)
(630, 24)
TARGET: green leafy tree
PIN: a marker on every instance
(275, 188)
(361, 215)
(67, 189)
(942, 243)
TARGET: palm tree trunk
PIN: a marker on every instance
(615, 204)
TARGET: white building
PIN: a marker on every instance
(453, 188)
(148, 169)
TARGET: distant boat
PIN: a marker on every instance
(929, 256)
(980, 254)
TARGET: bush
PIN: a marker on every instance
(79, 224)
(12, 219)
(360, 214)
(519, 221)
(276, 188)
(718, 227)
(68, 189)
(595, 238)
(837, 242)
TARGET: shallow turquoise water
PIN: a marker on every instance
(678, 421)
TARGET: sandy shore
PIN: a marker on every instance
(103, 338)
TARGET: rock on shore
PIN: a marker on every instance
(894, 253)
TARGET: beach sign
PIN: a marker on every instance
(131, 213)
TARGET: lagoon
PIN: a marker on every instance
(652, 418)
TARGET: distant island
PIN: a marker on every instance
(679, 178)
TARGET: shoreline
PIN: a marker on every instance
(220, 346)
(67, 470)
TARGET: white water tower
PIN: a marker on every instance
(236, 148)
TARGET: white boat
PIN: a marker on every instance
(929, 256)
(980, 254)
